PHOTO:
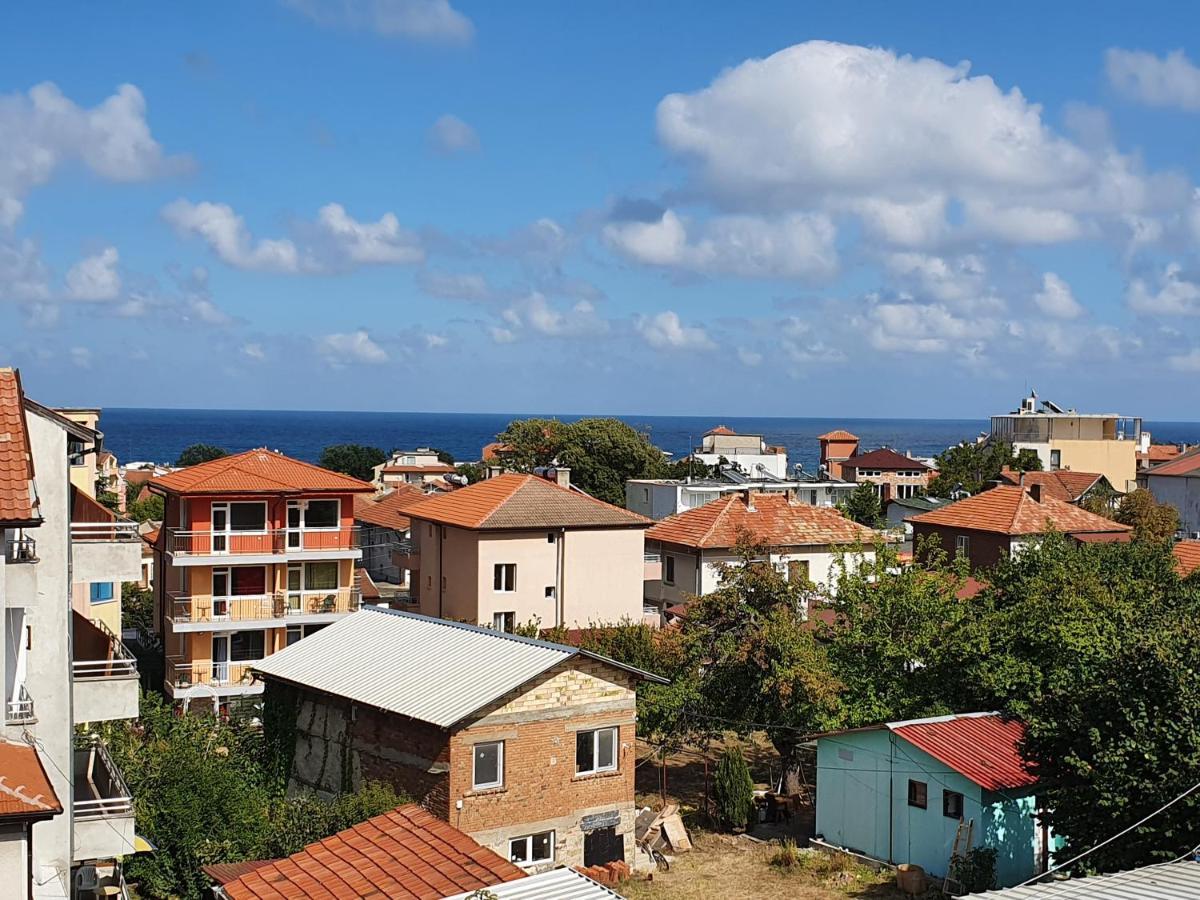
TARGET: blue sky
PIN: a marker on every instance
(767, 209)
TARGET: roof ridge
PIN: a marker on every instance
(467, 626)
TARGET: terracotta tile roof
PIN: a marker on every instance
(367, 587)
(1187, 557)
(493, 451)
(16, 459)
(970, 588)
(223, 873)
(1183, 464)
(1104, 537)
(720, 429)
(405, 854)
(1157, 453)
(883, 458)
(387, 511)
(984, 748)
(522, 501)
(258, 471)
(838, 435)
(435, 469)
(774, 521)
(1010, 510)
(1062, 485)
(25, 790)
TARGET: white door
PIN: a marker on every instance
(220, 528)
(220, 658)
(295, 521)
(220, 594)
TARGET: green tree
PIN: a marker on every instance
(355, 460)
(733, 790)
(152, 509)
(199, 453)
(473, 472)
(1151, 520)
(863, 506)
(444, 457)
(971, 467)
(109, 501)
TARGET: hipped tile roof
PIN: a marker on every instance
(1062, 485)
(1011, 510)
(433, 469)
(774, 520)
(16, 460)
(720, 429)
(839, 434)
(258, 471)
(1184, 464)
(883, 458)
(388, 511)
(405, 854)
(1187, 557)
(512, 501)
(25, 790)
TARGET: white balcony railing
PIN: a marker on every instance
(115, 662)
(20, 549)
(117, 530)
(100, 790)
(19, 711)
(187, 609)
(184, 542)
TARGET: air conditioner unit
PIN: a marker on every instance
(86, 878)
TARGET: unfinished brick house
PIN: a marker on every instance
(525, 745)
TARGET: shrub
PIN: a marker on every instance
(976, 870)
(733, 790)
(787, 856)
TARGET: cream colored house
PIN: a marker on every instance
(518, 548)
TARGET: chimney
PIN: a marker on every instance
(1035, 491)
(748, 498)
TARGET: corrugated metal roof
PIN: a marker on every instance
(557, 884)
(428, 669)
(983, 747)
(1167, 881)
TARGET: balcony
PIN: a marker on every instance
(205, 613)
(102, 806)
(105, 550)
(651, 566)
(19, 548)
(206, 678)
(104, 675)
(20, 710)
(203, 547)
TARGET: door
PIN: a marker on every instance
(295, 590)
(295, 537)
(602, 846)
(220, 658)
(220, 528)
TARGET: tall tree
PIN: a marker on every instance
(971, 467)
(199, 453)
(1151, 520)
(863, 506)
(355, 460)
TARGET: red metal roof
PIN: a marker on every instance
(984, 748)
(16, 460)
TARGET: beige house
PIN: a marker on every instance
(518, 548)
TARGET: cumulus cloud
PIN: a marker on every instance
(434, 341)
(451, 136)
(431, 21)
(454, 285)
(226, 234)
(354, 347)
(802, 347)
(383, 241)
(665, 331)
(1056, 298)
(501, 335)
(951, 280)
(792, 246)
(23, 275)
(1170, 80)
(1175, 294)
(898, 327)
(95, 277)
(535, 313)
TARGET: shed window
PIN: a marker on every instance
(532, 848)
(952, 804)
(596, 751)
(918, 794)
(668, 569)
(488, 771)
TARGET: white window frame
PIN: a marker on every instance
(962, 543)
(616, 756)
(527, 840)
(507, 585)
(302, 505)
(476, 785)
(230, 504)
(498, 622)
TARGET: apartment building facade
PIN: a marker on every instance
(749, 452)
(896, 476)
(63, 667)
(256, 552)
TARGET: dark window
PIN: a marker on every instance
(549, 537)
(952, 804)
(249, 581)
(293, 634)
(602, 846)
(504, 577)
(321, 514)
(245, 646)
(248, 516)
(489, 765)
(918, 794)
(669, 569)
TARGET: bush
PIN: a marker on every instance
(733, 790)
(787, 856)
(976, 870)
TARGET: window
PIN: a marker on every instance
(596, 751)
(952, 804)
(504, 578)
(668, 569)
(797, 570)
(250, 516)
(488, 769)
(101, 591)
(1055, 460)
(322, 514)
(646, 494)
(549, 537)
(918, 794)
(550, 592)
(293, 634)
(504, 621)
(532, 848)
(244, 581)
(812, 498)
(962, 544)
(247, 646)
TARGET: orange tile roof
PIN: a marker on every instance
(838, 435)
(16, 460)
(1183, 464)
(405, 854)
(1062, 485)
(1187, 557)
(386, 511)
(25, 790)
(774, 521)
(1010, 510)
(494, 451)
(522, 501)
(883, 458)
(258, 471)
(1157, 453)
(720, 429)
(435, 469)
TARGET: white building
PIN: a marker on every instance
(419, 467)
(1177, 482)
(63, 667)
(657, 498)
(749, 452)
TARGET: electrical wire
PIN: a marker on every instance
(1076, 885)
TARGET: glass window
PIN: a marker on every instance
(322, 514)
(595, 751)
(101, 591)
(669, 569)
(962, 544)
(246, 646)
(248, 516)
(532, 848)
(488, 768)
(248, 581)
(952, 804)
(504, 621)
(918, 794)
(320, 576)
(504, 577)
(293, 634)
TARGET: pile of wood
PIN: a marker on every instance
(663, 830)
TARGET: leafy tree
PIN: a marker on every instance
(152, 509)
(199, 453)
(473, 472)
(443, 456)
(971, 467)
(1151, 520)
(355, 460)
(863, 506)
(690, 467)
(733, 790)
(109, 500)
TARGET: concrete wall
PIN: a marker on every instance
(1182, 492)
(1115, 460)
(14, 859)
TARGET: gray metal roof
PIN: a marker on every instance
(1166, 881)
(557, 884)
(416, 666)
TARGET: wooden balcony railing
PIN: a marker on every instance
(183, 542)
(186, 609)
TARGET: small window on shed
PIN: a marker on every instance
(952, 804)
(918, 794)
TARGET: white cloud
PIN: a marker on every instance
(535, 313)
(951, 280)
(1175, 294)
(254, 351)
(1056, 298)
(792, 246)
(1185, 362)
(435, 341)
(1171, 80)
(454, 286)
(451, 136)
(44, 130)
(665, 331)
(226, 234)
(802, 347)
(502, 335)
(432, 21)
(81, 357)
(23, 275)
(922, 328)
(95, 277)
(355, 347)
(748, 357)
(370, 242)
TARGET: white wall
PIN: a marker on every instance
(1183, 493)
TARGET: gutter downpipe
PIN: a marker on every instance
(560, 578)
(29, 853)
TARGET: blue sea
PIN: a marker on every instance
(159, 434)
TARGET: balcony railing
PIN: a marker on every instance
(187, 609)
(104, 531)
(100, 791)
(182, 542)
(184, 674)
(113, 661)
(20, 549)
(20, 710)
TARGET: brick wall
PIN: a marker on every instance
(984, 548)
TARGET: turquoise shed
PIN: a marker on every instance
(896, 792)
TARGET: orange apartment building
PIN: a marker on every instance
(257, 551)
